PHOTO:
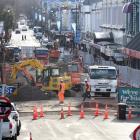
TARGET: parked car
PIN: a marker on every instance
(9, 128)
(17, 31)
(44, 42)
(118, 56)
(15, 114)
(24, 28)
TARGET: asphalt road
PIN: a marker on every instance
(27, 46)
(73, 128)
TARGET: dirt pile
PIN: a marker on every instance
(29, 93)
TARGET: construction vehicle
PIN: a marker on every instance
(47, 77)
(51, 78)
(75, 70)
(22, 69)
(54, 52)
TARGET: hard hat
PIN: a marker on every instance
(61, 80)
(85, 80)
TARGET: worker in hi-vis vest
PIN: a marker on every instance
(61, 92)
(87, 89)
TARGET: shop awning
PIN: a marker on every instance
(132, 49)
(128, 7)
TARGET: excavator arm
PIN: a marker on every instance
(22, 67)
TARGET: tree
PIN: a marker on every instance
(7, 15)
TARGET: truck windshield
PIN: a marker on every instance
(73, 68)
(55, 72)
(41, 52)
(103, 74)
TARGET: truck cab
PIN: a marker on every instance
(103, 80)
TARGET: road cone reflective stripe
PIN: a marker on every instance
(62, 114)
(69, 110)
(82, 114)
(96, 110)
(41, 112)
(106, 112)
(35, 114)
(30, 136)
(129, 113)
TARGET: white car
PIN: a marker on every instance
(9, 128)
(24, 28)
(44, 42)
(15, 115)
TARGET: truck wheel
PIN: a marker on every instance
(14, 137)
(67, 93)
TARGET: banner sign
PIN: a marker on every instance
(130, 96)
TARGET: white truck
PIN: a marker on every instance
(103, 80)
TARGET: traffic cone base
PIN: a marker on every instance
(62, 114)
(82, 114)
(96, 110)
(30, 136)
(106, 113)
(41, 112)
(129, 114)
(35, 113)
(69, 111)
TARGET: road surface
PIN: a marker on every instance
(27, 46)
(72, 128)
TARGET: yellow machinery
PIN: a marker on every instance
(22, 67)
(48, 78)
(52, 77)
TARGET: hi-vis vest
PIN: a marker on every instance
(87, 87)
(62, 87)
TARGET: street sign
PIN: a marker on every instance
(5, 107)
(8, 89)
(77, 38)
(130, 96)
(136, 133)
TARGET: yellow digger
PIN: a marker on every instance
(46, 77)
(51, 77)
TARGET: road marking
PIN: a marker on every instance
(78, 135)
(102, 131)
(52, 131)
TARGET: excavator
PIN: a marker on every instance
(47, 77)
(54, 52)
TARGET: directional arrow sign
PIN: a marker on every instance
(8, 89)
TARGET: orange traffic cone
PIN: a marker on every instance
(82, 114)
(96, 113)
(130, 113)
(41, 112)
(106, 112)
(62, 114)
(35, 114)
(30, 136)
(69, 110)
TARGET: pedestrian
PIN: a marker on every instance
(22, 37)
(61, 92)
(87, 90)
(25, 37)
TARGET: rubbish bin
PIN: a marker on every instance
(121, 115)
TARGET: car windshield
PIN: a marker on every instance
(103, 74)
